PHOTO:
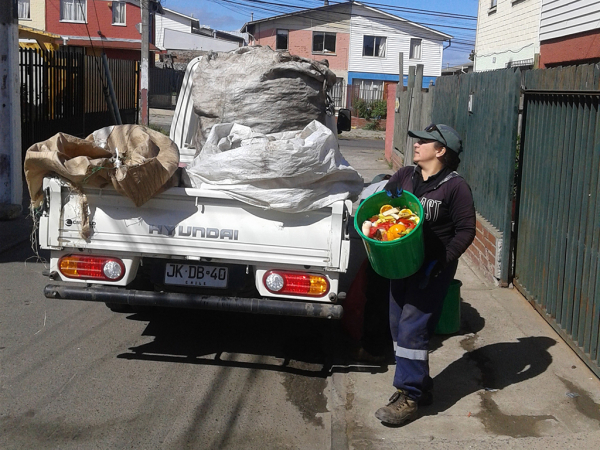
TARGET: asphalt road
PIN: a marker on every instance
(77, 375)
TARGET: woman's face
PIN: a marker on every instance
(425, 151)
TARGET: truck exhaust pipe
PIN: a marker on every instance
(208, 302)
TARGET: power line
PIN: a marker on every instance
(315, 13)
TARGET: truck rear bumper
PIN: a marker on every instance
(176, 300)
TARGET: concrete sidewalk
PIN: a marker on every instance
(505, 380)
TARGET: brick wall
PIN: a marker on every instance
(300, 44)
(569, 49)
(486, 250)
(99, 17)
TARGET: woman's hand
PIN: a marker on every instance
(393, 189)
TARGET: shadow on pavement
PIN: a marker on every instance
(301, 346)
(492, 367)
(471, 322)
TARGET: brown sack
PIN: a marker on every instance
(146, 161)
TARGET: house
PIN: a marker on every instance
(183, 38)
(32, 14)
(457, 70)
(89, 26)
(168, 19)
(507, 34)
(569, 32)
(361, 44)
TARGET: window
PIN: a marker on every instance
(323, 42)
(118, 10)
(73, 10)
(281, 41)
(415, 49)
(367, 90)
(24, 12)
(494, 3)
(374, 46)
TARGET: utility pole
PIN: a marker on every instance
(144, 4)
(11, 171)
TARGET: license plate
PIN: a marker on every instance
(195, 275)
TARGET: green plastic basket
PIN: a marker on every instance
(399, 258)
(449, 322)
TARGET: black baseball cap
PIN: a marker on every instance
(445, 135)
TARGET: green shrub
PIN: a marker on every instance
(369, 110)
(362, 108)
(379, 109)
(373, 126)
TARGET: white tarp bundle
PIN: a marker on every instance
(291, 171)
(269, 91)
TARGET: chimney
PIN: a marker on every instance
(326, 3)
(251, 17)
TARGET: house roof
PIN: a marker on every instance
(462, 68)
(38, 35)
(180, 14)
(444, 36)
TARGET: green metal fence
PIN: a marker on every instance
(558, 241)
(484, 109)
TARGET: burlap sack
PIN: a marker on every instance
(137, 161)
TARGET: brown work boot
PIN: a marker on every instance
(399, 410)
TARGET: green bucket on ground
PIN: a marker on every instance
(449, 322)
(399, 258)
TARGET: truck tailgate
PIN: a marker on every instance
(196, 223)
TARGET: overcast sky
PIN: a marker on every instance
(230, 15)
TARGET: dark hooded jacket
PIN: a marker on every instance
(448, 209)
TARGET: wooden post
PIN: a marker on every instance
(397, 111)
(408, 150)
(400, 79)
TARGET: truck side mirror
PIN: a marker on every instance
(344, 121)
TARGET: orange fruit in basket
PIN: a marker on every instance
(396, 231)
(385, 208)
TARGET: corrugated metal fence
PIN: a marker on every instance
(164, 87)
(558, 242)
(65, 92)
(484, 109)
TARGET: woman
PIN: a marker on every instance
(448, 230)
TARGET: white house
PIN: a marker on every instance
(172, 20)
(361, 43)
(507, 34)
(377, 38)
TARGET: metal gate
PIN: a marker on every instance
(557, 266)
(63, 91)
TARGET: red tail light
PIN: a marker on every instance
(91, 267)
(296, 283)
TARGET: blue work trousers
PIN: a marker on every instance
(414, 313)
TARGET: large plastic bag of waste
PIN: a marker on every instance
(266, 90)
(137, 161)
(292, 171)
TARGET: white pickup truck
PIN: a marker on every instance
(194, 248)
